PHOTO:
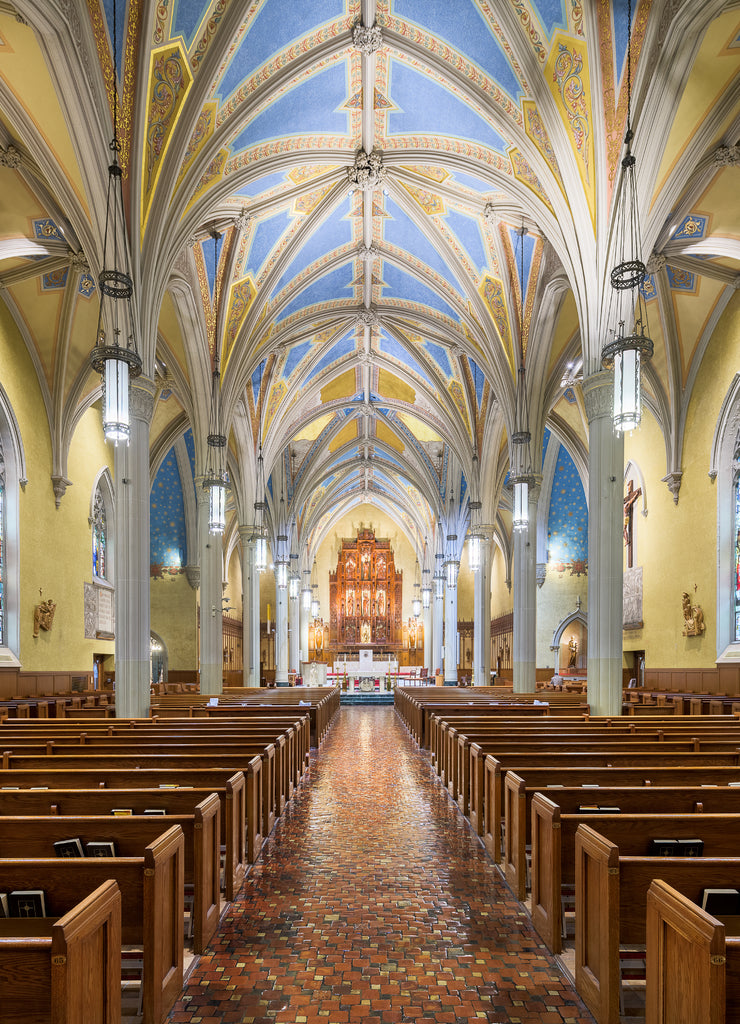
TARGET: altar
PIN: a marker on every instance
(366, 666)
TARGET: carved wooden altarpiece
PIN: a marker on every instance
(365, 595)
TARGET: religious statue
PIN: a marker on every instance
(573, 648)
(381, 603)
(365, 565)
(350, 566)
(365, 633)
(319, 639)
(693, 617)
(366, 603)
(43, 616)
(412, 633)
(350, 603)
(629, 503)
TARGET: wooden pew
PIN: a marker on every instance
(519, 812)
(78, 802)
(611, 908)
(168, 768)
(151, 906)
(246, 800)
(34, 835)
(654, 766)
(693, 969)
(65, 970)
(553, 849)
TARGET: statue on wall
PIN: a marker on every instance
(693, 617)
(573, 648)
(43, 615)
(629, 505)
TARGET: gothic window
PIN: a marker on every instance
(736, 559)
(99, 537)
(2, 548)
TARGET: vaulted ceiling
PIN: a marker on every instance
(371, 231)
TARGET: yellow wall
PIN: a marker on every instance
(677, 544)
(556, 600)
(501, 597)
(174, 618)
(55, 544)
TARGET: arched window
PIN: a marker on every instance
(724, 468)
(2, 547)
(12, 479)
(102, 521)
(99, 537)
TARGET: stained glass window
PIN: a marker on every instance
(2, 548)
(100, 537)
(737, 558)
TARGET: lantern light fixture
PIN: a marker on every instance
(114, 355)
(215, 480)
(632, 342)
(521, 437)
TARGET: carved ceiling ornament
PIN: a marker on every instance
(368, 317)
(367, 40)
(368, 253)
(656, 262)
(727, 156)
(368, 172)
(10, 157)
(489, 215)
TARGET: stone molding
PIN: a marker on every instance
(141, 395)
(598, 395)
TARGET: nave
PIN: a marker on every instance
(373, 901)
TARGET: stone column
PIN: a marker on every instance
(294, 634)
(281, 635)
(252, 617)
(427, 618)
(482, 618)
(132, 625)
(524, 574)
(451, 645)
(211, 592)
(248, 574)
(437, 657)
(605, 537)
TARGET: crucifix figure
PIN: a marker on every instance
(629, 504)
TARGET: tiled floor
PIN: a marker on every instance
(373, 902)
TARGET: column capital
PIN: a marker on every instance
(598, 395)
(141, 395)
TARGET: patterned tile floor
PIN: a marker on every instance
(373, 902)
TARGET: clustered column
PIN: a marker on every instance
(605, 551)
(482, 618)
(525, 598)
(133, 623)
(281, 634)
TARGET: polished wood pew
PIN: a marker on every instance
(519, 823)
(44, 960)
(453, 739)
(460, 766)
(611, 908)
(170, 769)
(651, 768)
(693, 967)
(78, 802)
(278, 730)
(34, 835)
(243, 792)
(151, 906)
(553, 848)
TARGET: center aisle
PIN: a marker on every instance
(374, 902)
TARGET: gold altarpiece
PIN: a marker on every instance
(365, 596)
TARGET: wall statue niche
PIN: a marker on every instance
(693, 617)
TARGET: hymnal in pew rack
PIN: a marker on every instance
(100, 848)
(69, 847)
(676, 847)
(721, 902)
(27, 903)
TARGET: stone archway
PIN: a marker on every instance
(570, 644)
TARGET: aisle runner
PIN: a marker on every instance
(373, 902)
